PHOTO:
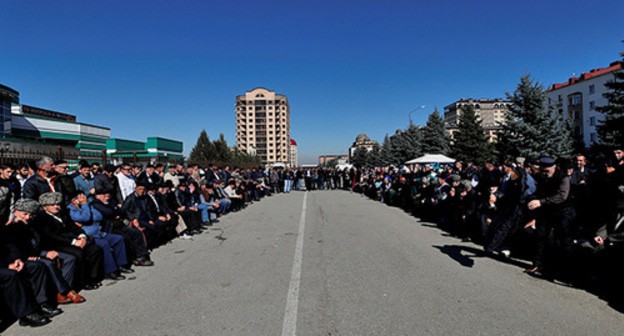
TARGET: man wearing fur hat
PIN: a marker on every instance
(61, 266)
(59, 233)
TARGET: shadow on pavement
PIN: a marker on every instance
(455, 252)
(466, 259)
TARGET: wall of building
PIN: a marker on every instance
(577, 100)
(263, 125)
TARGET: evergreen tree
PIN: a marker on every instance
(530, 129)
(397, 149)
(242, 159)
(385, 155)
(222, 152)
(471, 144)
(611, 129)
(413, 139)
(204, 151)
(435, 140)
(373, 158)
(359, 157)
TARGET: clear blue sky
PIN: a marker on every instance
(173, 68)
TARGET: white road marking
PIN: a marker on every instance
(292, 301)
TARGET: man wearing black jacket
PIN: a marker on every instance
(61, 266)
(553, 210)
(59, 233)
(113, 222)
(108, 182)
(41, 181)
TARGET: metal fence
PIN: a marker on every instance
(17, 156)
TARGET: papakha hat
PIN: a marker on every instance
(51, 198)
(27, 205)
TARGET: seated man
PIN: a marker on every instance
(113, 246)
(221, 196)
(180, 202)
(60, 233)
(231, 192)
(26, 287)
(198, 201)
(158, 214)
(112, 221)
(209, 198)
(135, 210)
(61, 266)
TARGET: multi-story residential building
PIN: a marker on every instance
(294, 156)
(263, 125)
(578, 97)
(490, 111)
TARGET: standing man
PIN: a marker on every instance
(84, 182)
(41, 182)
(63, 183)
(108, 181)
(553, 211)
(126, 181)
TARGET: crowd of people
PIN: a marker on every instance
(64, 231)
(565, 216)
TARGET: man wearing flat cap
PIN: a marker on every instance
(552, 209)
(60, 233)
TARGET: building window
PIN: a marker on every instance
(576, 100)
(577, 115)
(592, 89)
(592, 121)
(592, 105)
(592, 137)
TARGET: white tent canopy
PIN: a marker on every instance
(432, 158)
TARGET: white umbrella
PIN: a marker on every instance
(432, 158)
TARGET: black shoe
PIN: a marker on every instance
(48, 310)
(34, 320)
(145, 262)
(91, 286)
(115, 276)
(214, 221)
(126, 270)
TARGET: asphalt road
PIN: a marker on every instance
(363, 269)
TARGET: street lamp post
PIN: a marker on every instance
(414, 110)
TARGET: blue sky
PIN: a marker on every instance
(173, 68)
